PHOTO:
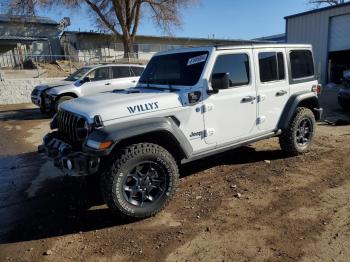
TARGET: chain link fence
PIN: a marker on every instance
(14, 66)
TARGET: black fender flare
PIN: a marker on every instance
(121, 131)
(293, 103)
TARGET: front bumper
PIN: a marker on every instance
(71, 162)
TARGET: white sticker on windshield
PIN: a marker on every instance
(197, 59)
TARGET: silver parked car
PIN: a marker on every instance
(88, 80)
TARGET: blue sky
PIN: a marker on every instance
(233, 19)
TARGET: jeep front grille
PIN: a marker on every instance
(67, 126)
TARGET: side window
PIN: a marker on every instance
(136, 71)
(302, 64)
(271, 66)
(121, 71)
(124, 71)
(237, 65)
(99, 74)
(115, 72)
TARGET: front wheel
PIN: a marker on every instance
(140, 181)
(298, 137)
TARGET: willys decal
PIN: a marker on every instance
(143, 108)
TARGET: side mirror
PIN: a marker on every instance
(85, 79)
(220, 81)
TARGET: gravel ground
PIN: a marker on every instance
(252, 203)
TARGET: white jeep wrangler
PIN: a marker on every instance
(188, 104)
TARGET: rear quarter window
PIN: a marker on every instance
(136, 71)
(301, 63)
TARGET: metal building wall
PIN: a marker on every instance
(313, 28)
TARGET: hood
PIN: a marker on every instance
(122, 104)
(44, 87)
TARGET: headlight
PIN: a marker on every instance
(35, 92)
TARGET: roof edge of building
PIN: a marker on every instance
(6, 18)
(164, 37)
(317, 10)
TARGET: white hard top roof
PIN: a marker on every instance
(234, 47)
(103, 65)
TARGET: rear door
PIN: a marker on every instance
(272, 85)
(122, 77)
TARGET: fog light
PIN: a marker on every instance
(69, 165)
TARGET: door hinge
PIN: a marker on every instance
(261, 98)
(209, 132)
(207, 108)
(260, 120)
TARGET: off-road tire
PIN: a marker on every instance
(112, 185)
(61, 100)
(288, 138)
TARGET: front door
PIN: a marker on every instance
(272, 85)
(99, 81)
(230, 115)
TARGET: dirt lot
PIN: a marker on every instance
(290, 208)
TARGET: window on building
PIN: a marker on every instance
(302, 64)
(236, 65)
(271, 66)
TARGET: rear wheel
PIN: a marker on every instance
(61, 100)
(140, 181)
(298, 137)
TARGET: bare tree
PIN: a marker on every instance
(318, 3)
(121, 17)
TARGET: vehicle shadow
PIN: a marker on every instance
(62, 206)
(65, 205)
(23, 114)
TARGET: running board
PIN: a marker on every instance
(230, 147)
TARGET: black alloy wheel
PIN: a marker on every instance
(145, 184)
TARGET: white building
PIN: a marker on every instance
(328, 30)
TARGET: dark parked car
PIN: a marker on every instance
(344, 97)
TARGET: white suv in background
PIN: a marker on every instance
(88, 80)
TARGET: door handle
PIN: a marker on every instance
(248, 99)
(133, 81)
(281, 93)
(107, 84)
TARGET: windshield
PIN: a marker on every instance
(175, 69)
(78, 74)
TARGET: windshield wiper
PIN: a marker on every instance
(169, 87)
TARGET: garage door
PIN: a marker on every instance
(339, 38)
